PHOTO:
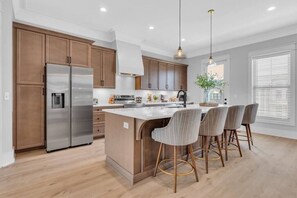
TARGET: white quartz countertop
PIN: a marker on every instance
(166, 103)
(107, 105)
(152, 113)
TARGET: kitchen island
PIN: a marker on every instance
(129, 148)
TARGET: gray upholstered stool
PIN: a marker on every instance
(182, 130)
(212, 125)
(249, 118)
(233, 122)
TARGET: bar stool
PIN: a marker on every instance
(182, 130)
(249, 118)
(233, 122)
(213, 126)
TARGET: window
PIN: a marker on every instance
(221, 69)
(273, 87)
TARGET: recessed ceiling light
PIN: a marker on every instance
(271, 8)
(151, 27)
(183, 39)
(102, 9)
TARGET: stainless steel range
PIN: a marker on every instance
(127, 100)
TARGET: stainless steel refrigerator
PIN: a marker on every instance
(69, 106)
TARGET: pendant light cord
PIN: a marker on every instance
(211, 11)
(179, 34)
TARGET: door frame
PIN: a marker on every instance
(226, 59)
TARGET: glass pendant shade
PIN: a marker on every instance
(211, 62)
(180, 54)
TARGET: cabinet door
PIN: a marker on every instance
(184, 77)
(80, 54)
(180, 77)
(30, 57)
(163, 76)
(145, 77)
(96, 63)
(30, 116)
(108, 62)
(154, 75)
(57, 50)
(170, 77)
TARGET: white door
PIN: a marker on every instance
(222, 70)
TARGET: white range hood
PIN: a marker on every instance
(129, 59)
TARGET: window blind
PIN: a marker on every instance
(272, 86)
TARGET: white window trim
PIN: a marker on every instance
(225, 58)
(287, 48)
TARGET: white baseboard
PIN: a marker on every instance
(273, 132)
(8, 158)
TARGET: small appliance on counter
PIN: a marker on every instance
(138, 99)
(95, 101)
(127, 100)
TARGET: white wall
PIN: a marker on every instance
(238, 85)
(6, 148)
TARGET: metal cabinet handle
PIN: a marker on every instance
(69, 59)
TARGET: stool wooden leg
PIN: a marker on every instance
(248, 136)
(206, 153)
(218, 143)
(250, 132)
(202, 146)
(175, 168)
(238, 145)
(158, 159)
(226, 146)
(229, 138)
(193, 162)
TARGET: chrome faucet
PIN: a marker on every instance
(185, 97)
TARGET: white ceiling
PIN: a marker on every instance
(233, 19)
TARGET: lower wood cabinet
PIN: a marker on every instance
(99, 120)
(29, 116)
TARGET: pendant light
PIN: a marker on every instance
(210, 60)
(179, 54)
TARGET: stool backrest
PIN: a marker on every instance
(183, 127)
(234, 117)
(214, 122)
(250, 113)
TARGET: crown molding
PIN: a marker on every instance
(265, 36)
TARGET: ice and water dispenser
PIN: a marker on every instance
(58, 100)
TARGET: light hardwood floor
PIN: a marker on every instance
(269, 170)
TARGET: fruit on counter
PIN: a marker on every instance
(111, 100)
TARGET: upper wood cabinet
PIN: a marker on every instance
(166, 76)
(150, 79)
(30, 57)
(80, 54)
(162, 75)
(180, 77)
(30, 116)
(57, 50)
(104, 67)
(67, 52)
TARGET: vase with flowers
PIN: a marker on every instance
(207, 82)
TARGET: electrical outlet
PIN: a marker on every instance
(6, 95)
(126, 125)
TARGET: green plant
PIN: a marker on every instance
(155, 97)
(210, 81)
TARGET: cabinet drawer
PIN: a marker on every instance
(98, 117)
(98, 130)
(97, 109)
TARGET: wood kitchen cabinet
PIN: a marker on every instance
(180, 77)
(150, 79)
(30, 116)
(166, 76)
(99, 120)
(103, 62)
(30, 59)
(162, 75)
(63, 51)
